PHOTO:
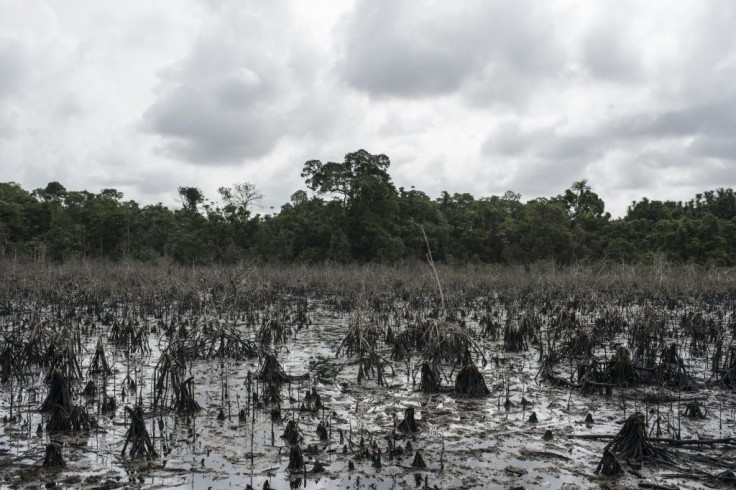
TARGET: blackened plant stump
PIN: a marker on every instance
(99, 363)
(470, 382)
(418, 462)
(671, 370)
(90, 389)
(693, 410)
(137, 436)
(322, 431)
(621, 370)
(272, 372)
(609, 465)
(53, 457)
(632, 444)
(80, 419)
(59, 419)
(430, 380)
(184, 396)
(59, 394)
(109, 404)
(514, 339)
(408, 424)
(296, 460)
(291, 432)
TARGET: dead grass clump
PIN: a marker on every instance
(362, 341)
(61, 354)
(697, 328)
(592, 378)
(490, 326)
(274, 330)
(608, 324)
(579, 343)
(646, 334)
(222, 340)
(444, 341)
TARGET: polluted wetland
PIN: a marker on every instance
(159, 376)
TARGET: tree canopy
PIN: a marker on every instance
(356, 214)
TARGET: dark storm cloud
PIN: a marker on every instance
(715, 118)
(385, 55)
(547, 144)
(395, 48)
(691, 135)
(212, 126)
(224, 102)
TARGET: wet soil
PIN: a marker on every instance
(465, 443)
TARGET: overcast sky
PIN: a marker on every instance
(473, 96)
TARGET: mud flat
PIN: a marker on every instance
(120, 376)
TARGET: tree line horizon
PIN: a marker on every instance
(357, 215)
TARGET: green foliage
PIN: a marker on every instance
(357, 215)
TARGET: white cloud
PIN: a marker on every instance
(478, 96)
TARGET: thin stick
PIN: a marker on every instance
(434, 269)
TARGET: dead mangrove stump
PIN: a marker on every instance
(418, 462)
(99, 364)
(59, 394)
(53, 457)
(292, 434)
(470, 382)
(430, 379)
(408, 423)
(271, 372)
(693, 410)
(296, 460)
(633, 445)
(609, 465)
(137, 436)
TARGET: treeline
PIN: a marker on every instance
(356, 214)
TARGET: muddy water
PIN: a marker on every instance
(465, 443)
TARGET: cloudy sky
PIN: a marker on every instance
(474, 96)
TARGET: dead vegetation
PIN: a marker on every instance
(648, 342)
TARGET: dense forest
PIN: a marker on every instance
(356, 214)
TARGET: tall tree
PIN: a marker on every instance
(341, 178)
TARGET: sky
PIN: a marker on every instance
(479, 96)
